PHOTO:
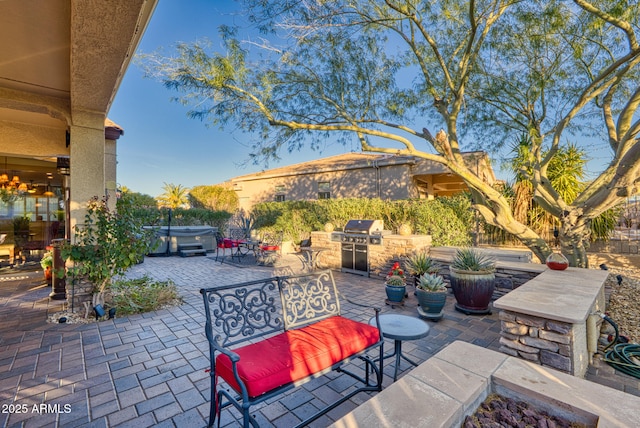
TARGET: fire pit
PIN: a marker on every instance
(452, 384)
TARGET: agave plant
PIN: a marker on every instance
(431, 282)
(469, 259)
(420, 263)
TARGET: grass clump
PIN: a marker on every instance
(134, 296)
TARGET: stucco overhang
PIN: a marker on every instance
(62, 61)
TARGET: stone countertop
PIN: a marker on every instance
(568, 295)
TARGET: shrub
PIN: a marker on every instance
(132, 296)
(108, 243)
(448, 220)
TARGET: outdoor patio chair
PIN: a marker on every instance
(223, 244)
(270, 248)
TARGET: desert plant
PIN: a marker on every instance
(131, 296)
(431, 282)
(420, 263)
(396, 270)
(395, 281)
(107, 244)
(469, 259)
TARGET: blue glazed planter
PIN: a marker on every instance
(431, 303)
(394, 293)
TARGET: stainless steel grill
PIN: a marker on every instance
(356, 238)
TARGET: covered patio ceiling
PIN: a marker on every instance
(61, 60)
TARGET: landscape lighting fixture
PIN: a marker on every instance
(99, 310)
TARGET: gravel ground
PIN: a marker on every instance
(624, 303)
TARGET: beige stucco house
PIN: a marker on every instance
(357, 175)
(61, 64)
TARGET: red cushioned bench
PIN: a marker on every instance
(269, 336)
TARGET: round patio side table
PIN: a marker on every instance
(400, 328)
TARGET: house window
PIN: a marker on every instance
(280, 191)
(324, 190)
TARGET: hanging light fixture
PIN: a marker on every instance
(4, 177)
(48, 192)
(31, 188)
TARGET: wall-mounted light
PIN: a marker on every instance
(63, 165)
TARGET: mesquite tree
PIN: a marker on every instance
(389, 73)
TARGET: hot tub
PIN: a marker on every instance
(180, 235)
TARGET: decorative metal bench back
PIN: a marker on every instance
(308, 298)
(239, 312)
(272, 238)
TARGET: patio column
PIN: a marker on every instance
(87, 167)
(110, 164)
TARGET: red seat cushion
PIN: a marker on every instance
(270, 248)
(229, 243)
(296, 354)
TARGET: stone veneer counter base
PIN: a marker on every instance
(547, 320)
(452, 384)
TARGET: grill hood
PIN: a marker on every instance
(365, 227)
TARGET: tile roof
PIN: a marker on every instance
(344, 161)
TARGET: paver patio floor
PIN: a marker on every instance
(149, 370)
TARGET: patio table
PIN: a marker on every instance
(399, 328)
(310, 257)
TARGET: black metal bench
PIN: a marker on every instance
(272, 335)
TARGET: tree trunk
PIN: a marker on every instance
(574, 240)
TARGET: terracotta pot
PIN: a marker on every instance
(404, 229)
(473, 290)
(48, 274)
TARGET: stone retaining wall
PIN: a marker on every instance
(79, 293)
(539, 340)
(616, 246)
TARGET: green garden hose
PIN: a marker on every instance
(624, 357)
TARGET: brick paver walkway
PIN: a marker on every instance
(149, 369)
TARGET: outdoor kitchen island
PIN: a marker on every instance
(553, 319)
(373, 252)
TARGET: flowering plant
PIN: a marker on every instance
(396, 270)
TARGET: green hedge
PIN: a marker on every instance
(449, 220)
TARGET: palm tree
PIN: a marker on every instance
(566, 173)
(174, 196)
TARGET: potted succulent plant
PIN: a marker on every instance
(472, 281)
(418, 264)
(432, 296)
(394, 284)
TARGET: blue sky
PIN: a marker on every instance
(160, 143)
